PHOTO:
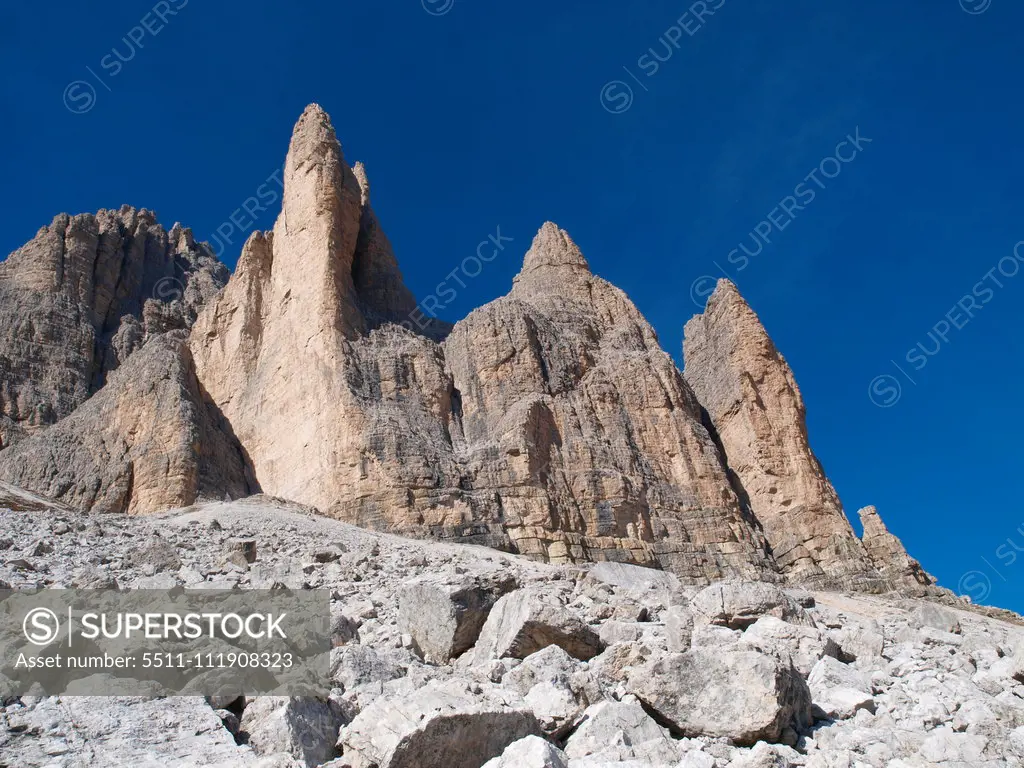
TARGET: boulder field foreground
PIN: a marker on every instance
(456, 656)
(548, 546)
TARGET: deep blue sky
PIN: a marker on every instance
(490, 115)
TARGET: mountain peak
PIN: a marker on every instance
(553, 252)
(313, 139)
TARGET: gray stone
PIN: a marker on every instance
(305, 728)
(632, 577)
(547, 680)
(745, 696)
(737, 605)
(527, 621)
(930, 615)
(678, 629)
(531, 752)
(356, 665)
(839, 690)
(443, 618)
(619, 730)
(442, 725)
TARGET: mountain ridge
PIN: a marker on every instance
(548, 422)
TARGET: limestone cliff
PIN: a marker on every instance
(332, 409)
(548, 422)
(80, 297)
(147, 441)
(755, 409)
(888, 554)
(583, 429)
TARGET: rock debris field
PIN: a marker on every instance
(455, 656)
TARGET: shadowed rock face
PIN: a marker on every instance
(146, 441)
(83, 295)
(549, 421)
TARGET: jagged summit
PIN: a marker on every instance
(313, 135)
(553, 256)
(757, 415)
(549, 422)
(80, 297)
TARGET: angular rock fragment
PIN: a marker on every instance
(745, 696)
(768, 756)
(838, 690)
(305, 728)
(531, 752)
(527, 621)
(930, 615)
(632, 577)
(802, 645)
(117, 731)
(737, 605)
(356, 665)
(621, 730)
(241, 551)
(861, 641)
(678, 628)
(442, 725)
(445, 616)
(550, 683)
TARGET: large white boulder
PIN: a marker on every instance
(531, 752)
(528, 621)
(737, 605)
(621, 730)
(455, 724)
(745, 696)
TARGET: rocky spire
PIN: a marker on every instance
(888, 553)
(378, 281)
(552, 261)
(755, 409)
(287, 351)
(315, 235)
(582, 425)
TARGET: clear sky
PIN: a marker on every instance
(662, 136)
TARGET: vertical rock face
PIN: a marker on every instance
(889, 555)
(333, 410)
(80, 297)
(583, 430)
(757, 413)
(549, 421)
(146, 441)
